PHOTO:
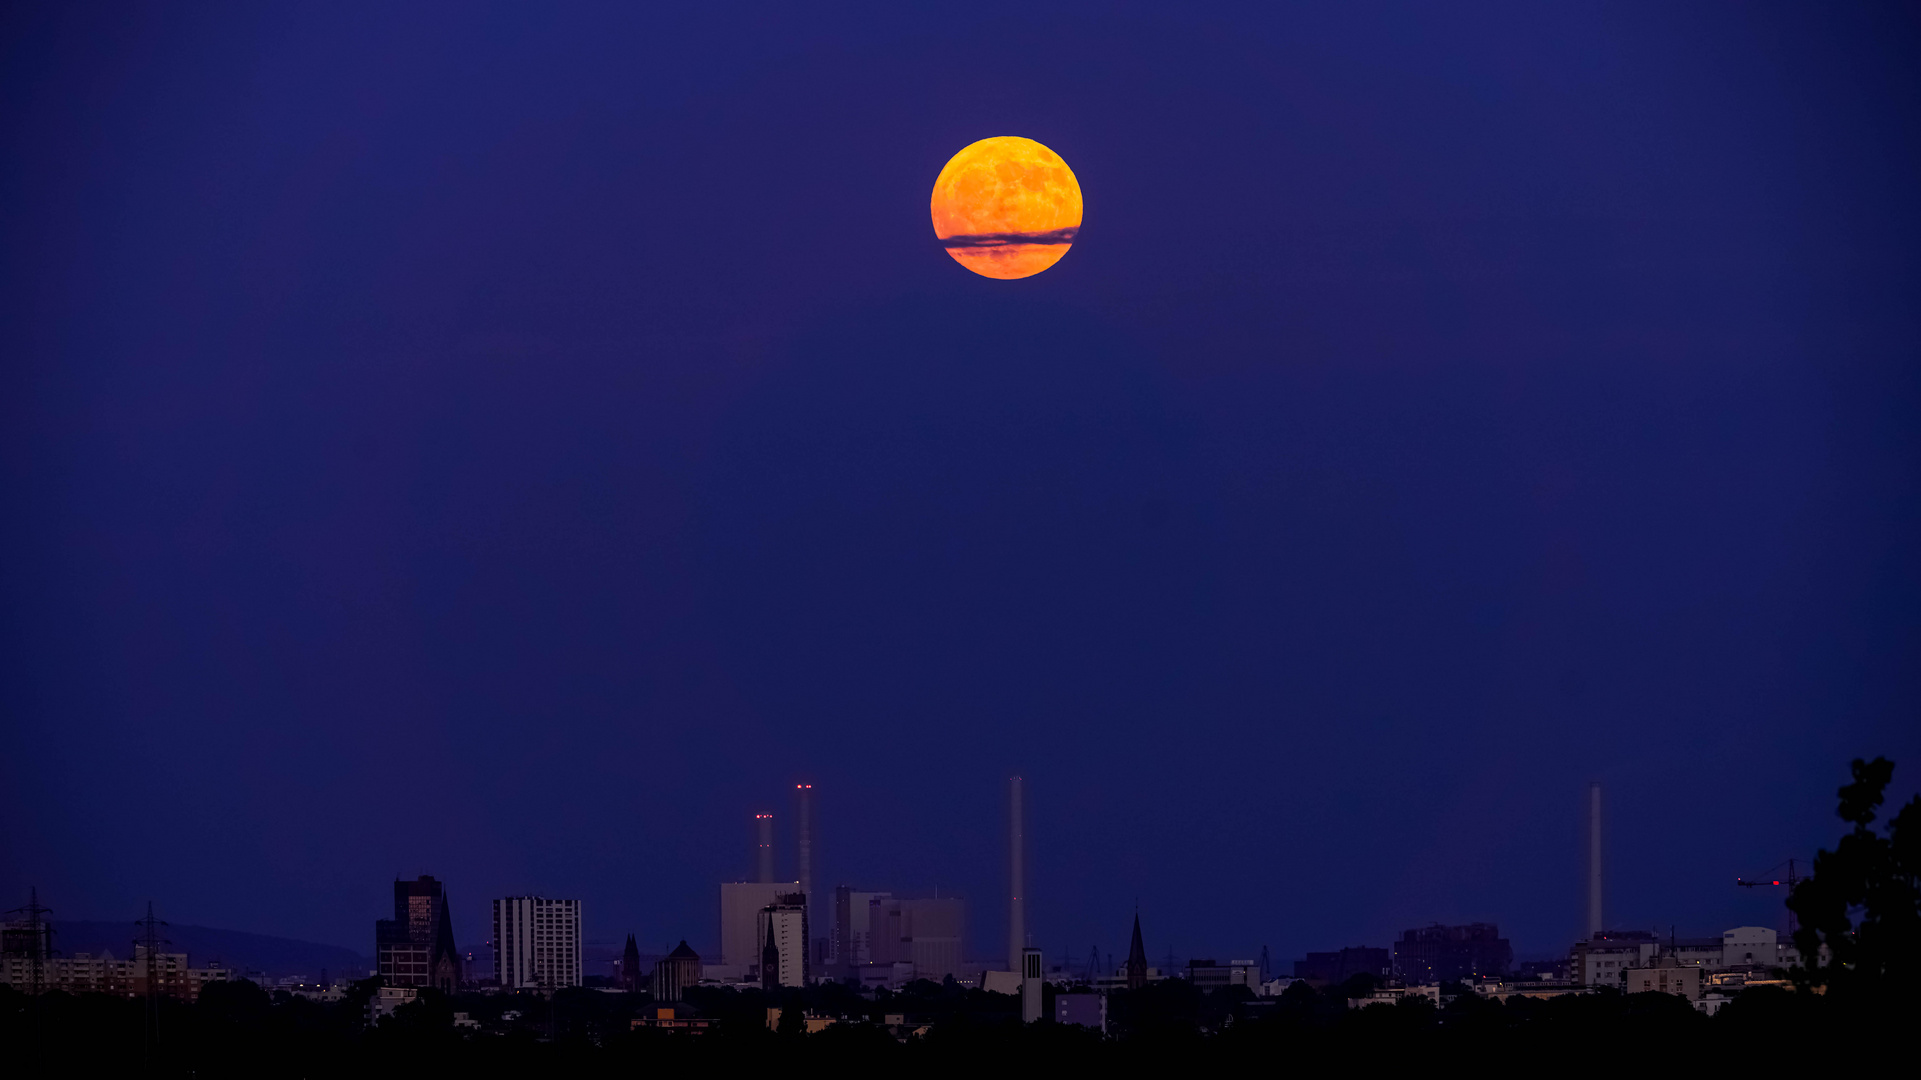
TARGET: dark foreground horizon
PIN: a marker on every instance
(237, 1029)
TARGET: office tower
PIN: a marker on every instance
(1594, 923)
(676, 972)
(630, 966)
(536, 943)
(1136, 958)
(741, 903)
(782, 932)
(1016, 878)
(764, 848)
(1031, 985)
(416, 946)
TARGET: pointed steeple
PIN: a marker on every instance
(770, 961)
(1136, 958)
(630, 965)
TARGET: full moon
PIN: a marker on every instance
(1006, 207)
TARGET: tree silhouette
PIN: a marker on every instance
(1862, 904)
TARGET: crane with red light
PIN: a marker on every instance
(1791, 880)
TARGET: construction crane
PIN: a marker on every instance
(1771, 880)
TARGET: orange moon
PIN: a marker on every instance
(1006, 207)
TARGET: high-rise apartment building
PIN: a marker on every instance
(782, 930)
(741, 903)
(536, 943)
(416, 946)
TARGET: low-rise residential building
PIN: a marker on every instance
(1086, 1010)
(102, 973)
(1393, 993)
(1704, 953)
(1274, 988)
(1502, 989)
(1600, 960)
(678, 1018)
(1208, 975)
(1665, 975)
(1749, 946)
(388, 998)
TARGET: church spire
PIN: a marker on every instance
(1136, 958)
(770, 960)
(630, 966)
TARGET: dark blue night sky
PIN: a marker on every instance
(517, 445)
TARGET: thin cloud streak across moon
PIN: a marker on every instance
(982, 240)
(1006, 207)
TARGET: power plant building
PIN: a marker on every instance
(928, 933)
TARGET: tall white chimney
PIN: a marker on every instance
(1016, 877)
(1594, 923)
(805, 793)
(764, 849)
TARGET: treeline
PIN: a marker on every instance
(239, 1029)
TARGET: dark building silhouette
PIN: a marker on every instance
(770, 961)
(677, 971)
(630, 966)
(1338, 967)
(1439, 953)
(1136, 958)
(416, 946)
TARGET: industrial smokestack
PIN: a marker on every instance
(805, 793)
(1017, 878)
(1594, 924)
(764, 848)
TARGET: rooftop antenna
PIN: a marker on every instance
(39, 939)
(150, 940)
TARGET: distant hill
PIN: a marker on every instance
(272, 956)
